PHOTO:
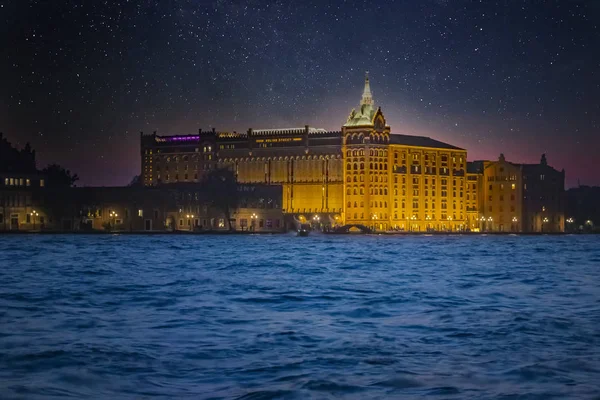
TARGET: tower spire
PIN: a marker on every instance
(367, 98)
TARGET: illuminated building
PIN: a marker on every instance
(410, 183)
(501, 196)
(21, 188)
(517, 197)
(361, 175)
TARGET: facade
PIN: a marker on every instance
(583, 209)
(501, 194)
(361, 175)
(21, 189)
(543, 198)
(516, 197)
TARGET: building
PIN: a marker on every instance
(515, 197)
(474, 200)
(361, 175)
(582, 209)
(501, 196)
(21, 189)
(543, 198)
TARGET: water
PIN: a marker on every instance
(281, 317)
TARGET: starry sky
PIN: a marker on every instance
(81, 79)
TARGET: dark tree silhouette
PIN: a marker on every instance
(57, 176)
(221, 191)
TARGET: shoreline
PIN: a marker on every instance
(213, 232)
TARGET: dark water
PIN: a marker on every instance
(269, 317)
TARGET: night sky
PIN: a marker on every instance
(82, 78)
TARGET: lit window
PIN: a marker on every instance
(513, 186)
(42, 183)
(28, 182)
(140, 213)
(6, 181)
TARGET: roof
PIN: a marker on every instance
(421, 141)
(474, 167)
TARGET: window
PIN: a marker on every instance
(1, 218)
(261, 223)
(42, 183)
(140, 213)
(222, 223)
(513, 186)
(28, 218)
(27, 182)
(180, 222)
(155, 214)
(269, 223)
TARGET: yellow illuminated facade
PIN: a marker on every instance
(400, 182)
(361, 175)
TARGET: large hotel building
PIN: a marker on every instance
(365, 175)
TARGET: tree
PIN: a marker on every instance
(221, 191)
(57, 176)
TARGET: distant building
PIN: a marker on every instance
(517, 197)
(583, 209)
(543, 198)
(21, 189)
(362, 175)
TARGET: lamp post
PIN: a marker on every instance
(34, 214)
(113, 215)
(374, 224)
(316, 220)
(569, 224)
(450, 223)
(428, 218)
(490, 219)
(253, 222)
(412, 223)
(482, 223)
(515, 226)
(544, 221)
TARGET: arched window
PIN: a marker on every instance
(355, 166)
(348, 153)
(349, 167)
(355, 180)
(371, 165)
(362, 152)
(380, 191)
(355, 191)
(380, 205)
(375, 166)
(362, 203)
(362, 190)
(349, 204)
(348, 191)
(385, 191)
(395, 204)
(362, 166)
(381, 166)
(355, 204)
(348, 179)
(385, 204)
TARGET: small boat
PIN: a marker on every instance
(302, 232)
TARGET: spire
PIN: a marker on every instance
(367, 98)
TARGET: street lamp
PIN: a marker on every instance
(34, 214)
(514, 220)
(428, 218)
(253, 221)
(449, 222)
(490, 219)
(113, 215)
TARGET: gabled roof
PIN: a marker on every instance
(420, 141)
